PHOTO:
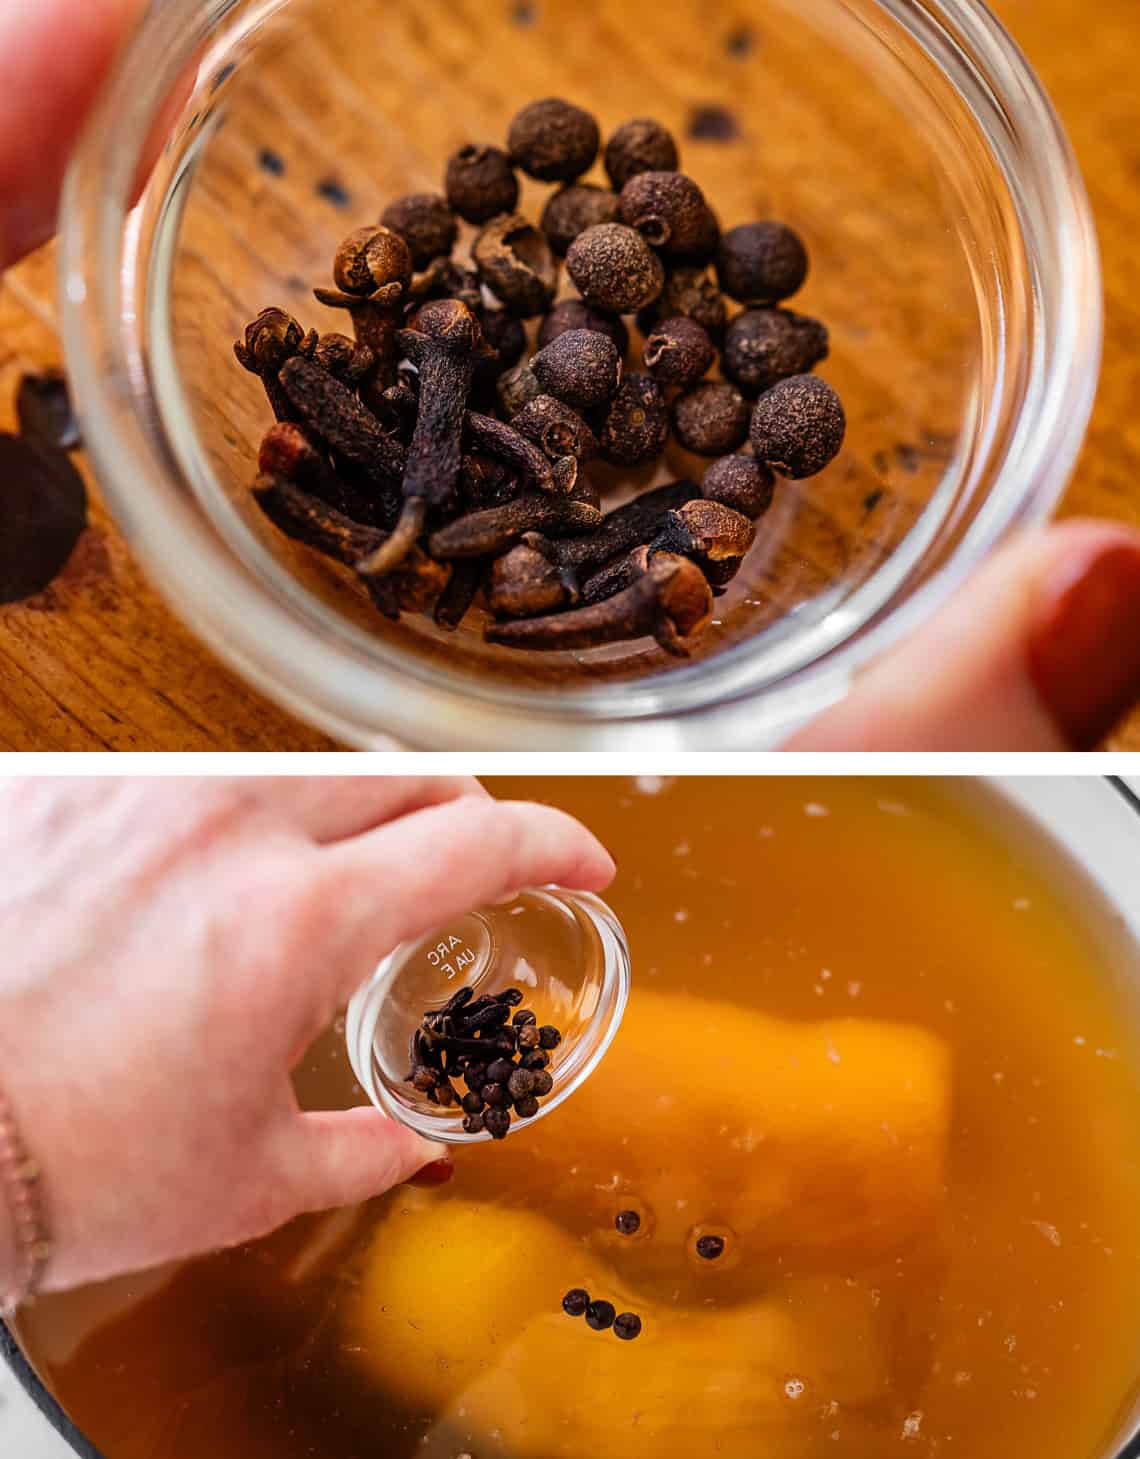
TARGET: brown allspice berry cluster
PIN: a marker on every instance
(494, 1048)
(441, 450)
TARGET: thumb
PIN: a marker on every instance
(1040, 650)
(343, 1157)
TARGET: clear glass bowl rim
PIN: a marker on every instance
(370, 694)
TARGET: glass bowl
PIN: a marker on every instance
(953, 259)
(564, 951)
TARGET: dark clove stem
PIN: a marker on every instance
(289, 452)
(443, 347)
(629, 526)
(482, 534)
(669, 599)
(460, 593)
(270, 340)
(498, 440)
(337, 416)
(308, 519)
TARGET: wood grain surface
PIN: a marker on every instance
(97, 661)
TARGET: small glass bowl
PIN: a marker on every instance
(565, 951)
(953, 259)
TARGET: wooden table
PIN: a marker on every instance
(97, 662)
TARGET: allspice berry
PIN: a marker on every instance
(580, 367)
(515, 262)
(556, 429)
(553, 140)
(480, 183)
(678, 352)
(614, 269)
(711, 419)
(740, 482)
(496, 1122)
(636, 426)
(669, 210)
(425, 223)
(798, 426)
(577, 314)
(370, 259)
(571, 210)
(640, 145)
(690, 292)
(762, 346)
(761, 263)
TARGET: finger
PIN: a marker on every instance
(1039, 651)
(341, 1158)
(409, 876)
(53, 56)
(340, 806)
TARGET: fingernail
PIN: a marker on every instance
(1084, 646)
(439, 1172)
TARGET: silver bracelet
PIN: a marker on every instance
(21, 1194)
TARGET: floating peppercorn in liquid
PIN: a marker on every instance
(879, 1044)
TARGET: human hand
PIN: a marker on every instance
(172, 947)
(1040, 650)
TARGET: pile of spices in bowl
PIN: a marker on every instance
(442, 452)
(501, 1056)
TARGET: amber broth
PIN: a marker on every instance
(1007, 1324)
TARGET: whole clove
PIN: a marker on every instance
(614, 269)
(480, 183)
(425, 223)
(572, 210)
(577, 314)
(640, 145)
(670, 601)
(331, 410)
(269, 342)
(762, 346)
(714, 536)
(581, 367)
(507, 444)
(345, 359)
(515, 262)
(798, 426)
(308, 519)
(761, 263)
(553, 140)
(711, 419)
(481, 534)
(443, 347)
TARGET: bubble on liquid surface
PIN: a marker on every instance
(794, 1388)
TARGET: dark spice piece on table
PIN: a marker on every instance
(711, 419)
(43, 506)
(581, 368)
(627, 1326)
(762, 346)
(425, 223)
(480, 183)
(577, 314)
(43, 410)
(600, 1315)
(740, 482)
(515, 262)
(627, 1222)
(679, 352)
(636, 425)
(572, 210)
(669, 210)
(553, 140)
(798, 426)
(614, 268)
(640, 145)
(761, 263)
